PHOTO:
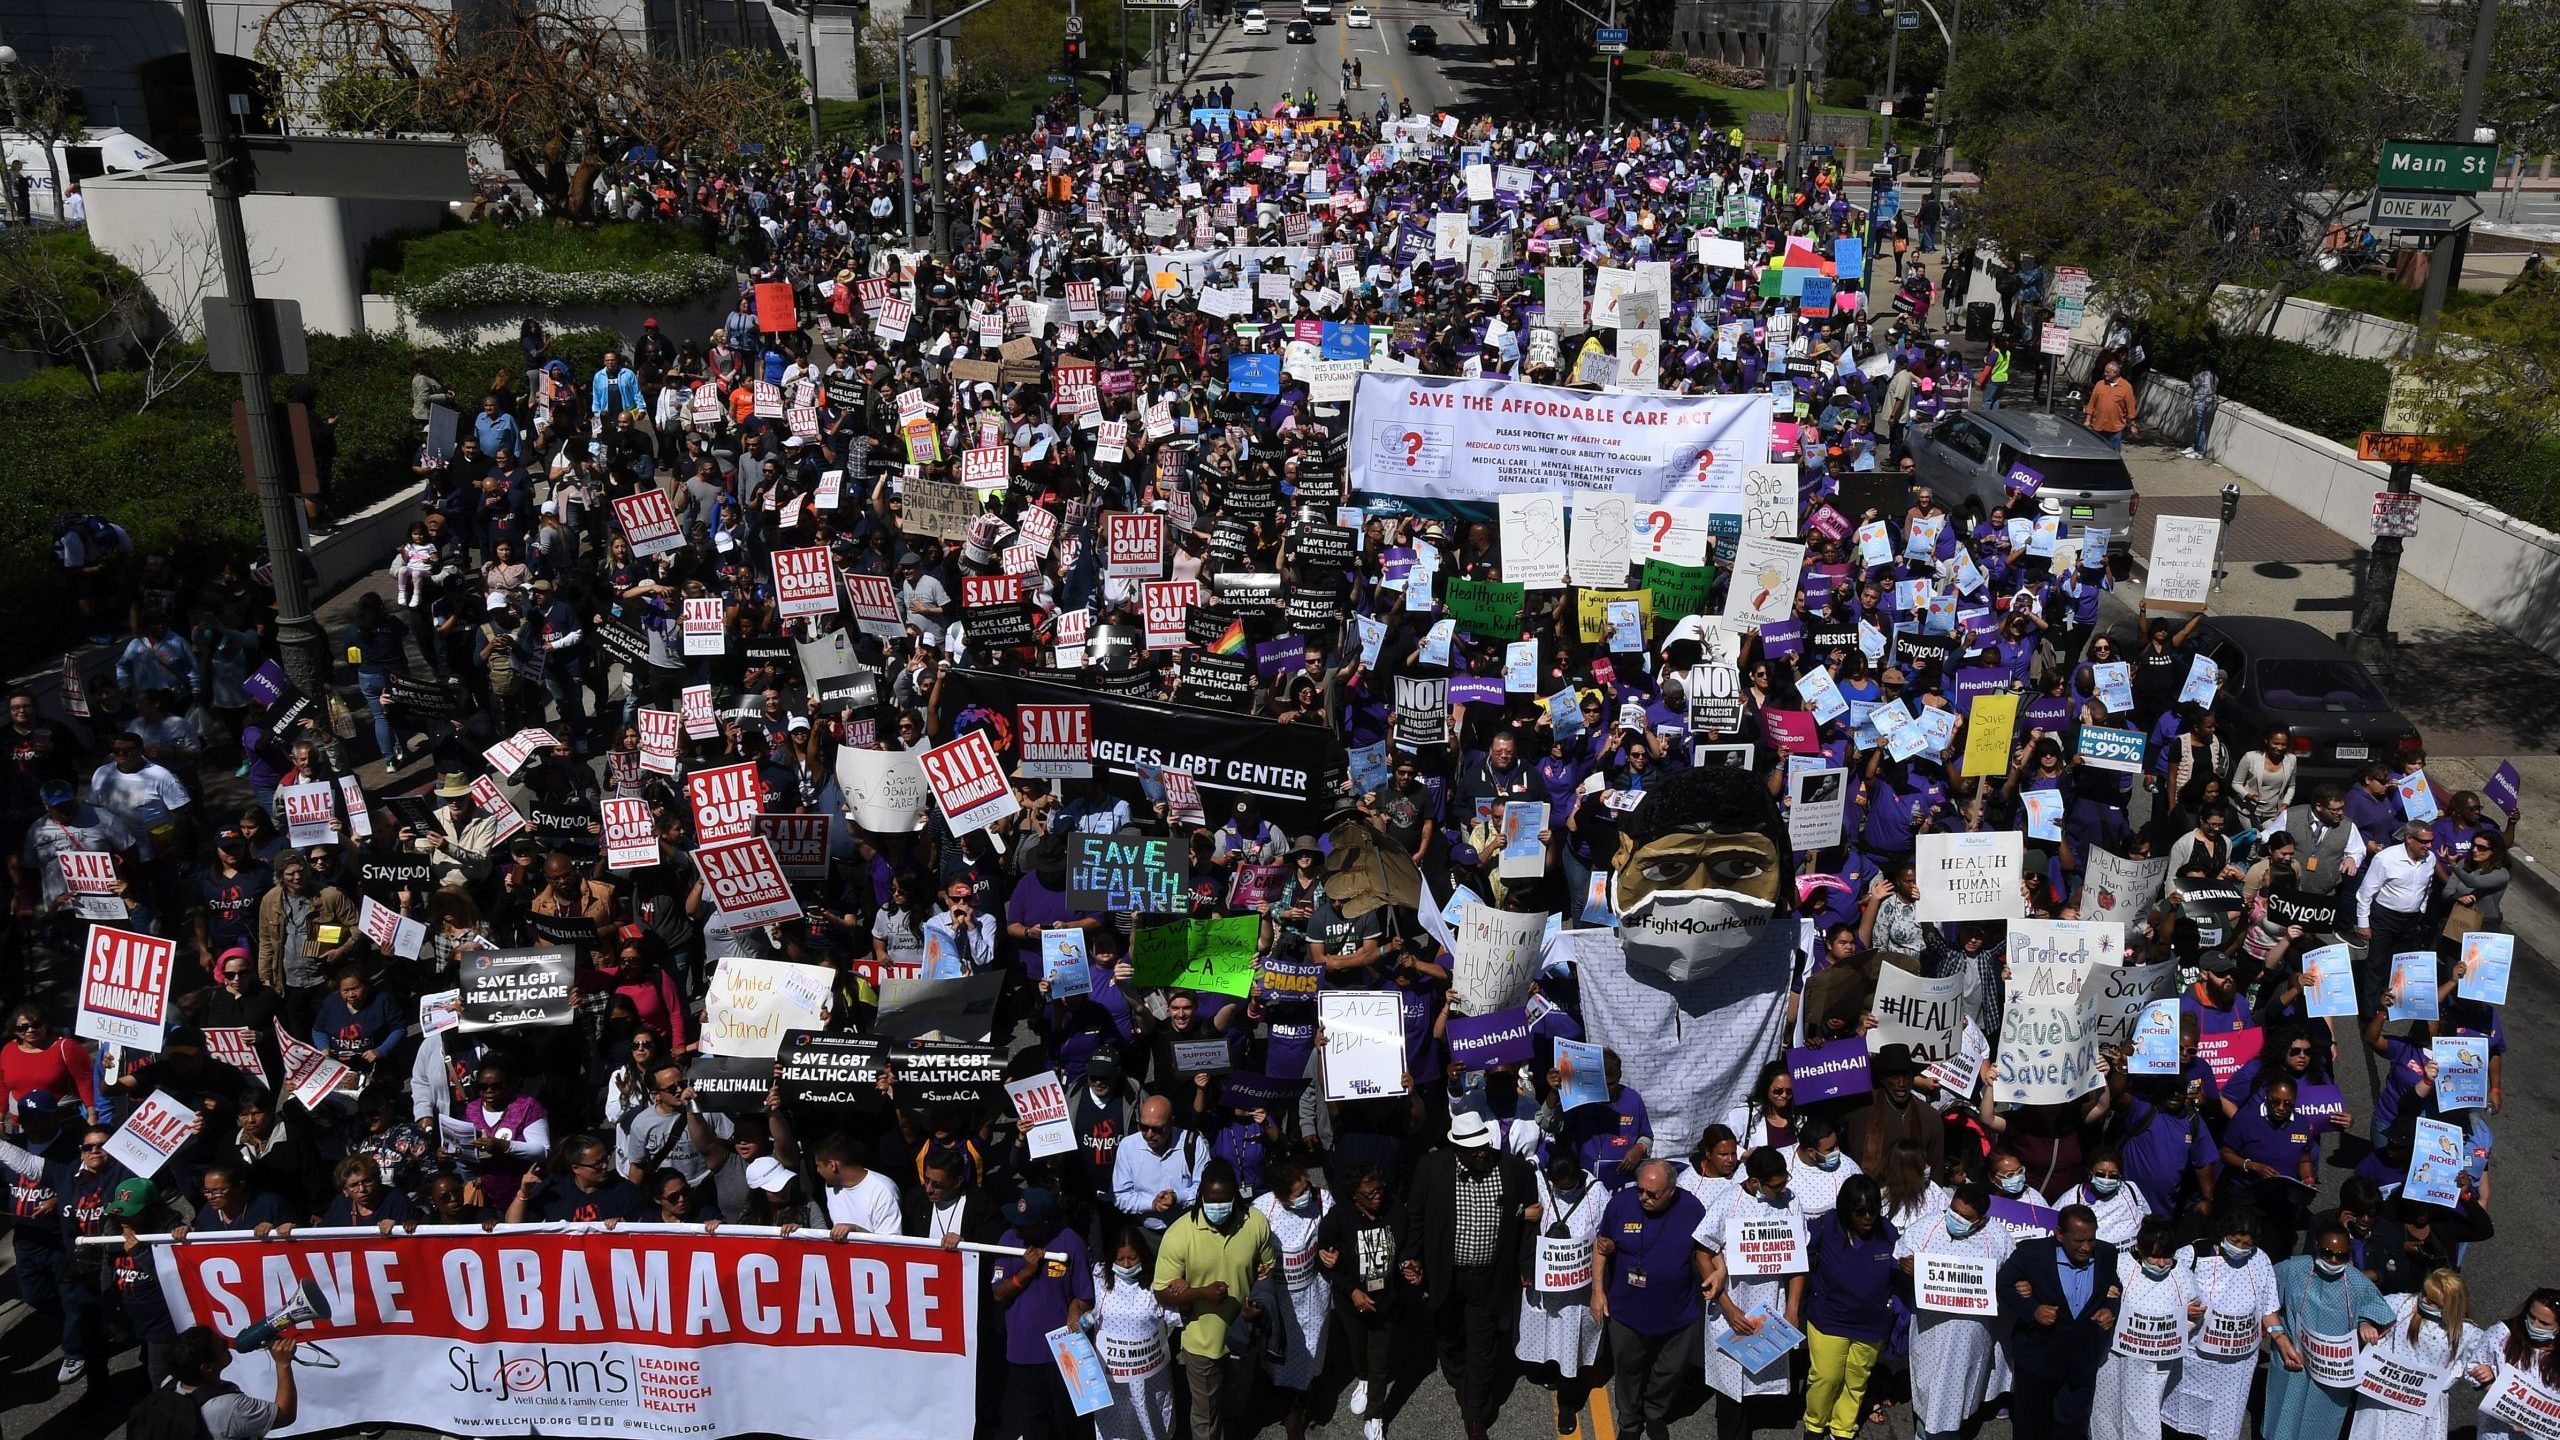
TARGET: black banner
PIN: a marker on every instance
(502, 989)
(623, 642)
(821, 1071)
(857, 691)
(730, 1084)
(1334, 547)
(422, 699)
(1231, 541)
(1924, 652)
(1422, 712)
(569, 821)
(1247, 592)
(1113, 647)
(1319, 484)
(1291, 771)
(772, 654)
(1127, 684)
(383, 874)
(1216, 681)
(1313, 610)
(560, 929)
(1204, 625)
(955, 1079)
(1000, 625)
(2311, 912)
(1823, 639)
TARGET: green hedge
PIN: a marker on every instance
(72, 452)
(544, 266)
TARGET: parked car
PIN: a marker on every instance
(1301, 33)
(2278, 671)
(1256, 23)
(1968, 457)
(1422, 40)
(1358, 18)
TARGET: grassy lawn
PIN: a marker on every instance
(1675, 95)
(2376, 295)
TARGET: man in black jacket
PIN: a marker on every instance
(2059, 1296)
(1462, 1246)
(2416, 1237)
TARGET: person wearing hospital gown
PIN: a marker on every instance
(2237, 1288)
(1712, 1168)
(1133, 1333)
(1558, 1332)
(2529, 1344)
(1765, 1189)
(2119, 1204)
(2332, 1311)
(2430, 1332)
(1294, 1208)
(1955, 1361)
(2150, 1339)
(1817, 1167)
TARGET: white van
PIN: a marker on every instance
(99, 151)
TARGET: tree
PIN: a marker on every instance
(2177, 146)
(2497, 374)
(2522, 98)
(81, 307)
(45, 103)
(1855, 47)
(554, 83)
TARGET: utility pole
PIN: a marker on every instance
(1120, 67)
(298, 635)
(1938, 172)
(809, 64)
(936, 161)
(1892, 66)
(2372, 639)
(1608, 79)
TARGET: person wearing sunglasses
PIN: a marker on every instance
(92, 1193)
(2333, 1311)
(38, 1061)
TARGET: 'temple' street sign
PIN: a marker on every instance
(2436, 165)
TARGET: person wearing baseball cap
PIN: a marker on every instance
(68, 824)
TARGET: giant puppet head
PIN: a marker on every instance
(1701, 872)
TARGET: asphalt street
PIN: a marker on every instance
(1461, 71)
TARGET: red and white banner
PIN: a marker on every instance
(1133, 546)
(875, 605)
(746, 882)
(799, 844)
(804, 582)
(1040, 1103)
(980, 593)
(658, 740)
(124, 988)
(726, 802)
(153, 1133)
(698, 721)
(1168, 610)
(630, 840)
(667, 1331)
(237, 1047)
(90, 876)
(1054, 742)
(648, 521)
(310, 813)
(493, 802)
(985, 467)
(706, 624)
(968, 783)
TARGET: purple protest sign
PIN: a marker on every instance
(1476, 690)
(1824, 1072)
(1290, 1049)
(266, 684)
(2047, 713)
(2505, 789)
(2025, 1214)
(1977, 680)
(1240, 1091)
(2325, 1104)
(1480, 1042)
(1782, 639)
(1273, 658)
(2024, 481)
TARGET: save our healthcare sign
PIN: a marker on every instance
(1432, 437)
(667, 1331)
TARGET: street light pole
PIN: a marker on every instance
(2372, 639)
(809, 63)
(298, 635)
(1608, 86)
(1938, 172)
(1892, 67)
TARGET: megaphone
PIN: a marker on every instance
(308, 1308)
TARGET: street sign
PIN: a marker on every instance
(2436, 165)
(2054, 340)
(279, 324)
(2423, 210)
(1908, 20)
(2410, 449)
(1612, 40)
(2413, 403)
(2394, 514)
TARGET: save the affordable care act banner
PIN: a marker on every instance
(643, 1331)
(1434, 438)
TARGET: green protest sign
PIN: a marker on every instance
(1211, 955)
(1678, 590)
(1487, 608)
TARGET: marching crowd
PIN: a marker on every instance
(590, 609)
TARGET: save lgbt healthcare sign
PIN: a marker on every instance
(1435, 438)
(648, 1331)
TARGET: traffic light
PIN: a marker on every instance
(1936, 107)
(1617, 64)
(1075, 55)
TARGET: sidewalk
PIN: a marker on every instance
(2476, 694)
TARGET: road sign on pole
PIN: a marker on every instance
(2437, 165)
(2429, 212)
(1610, 40)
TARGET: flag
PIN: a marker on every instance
(1232, 641)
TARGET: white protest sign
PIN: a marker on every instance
(1953, 1284)
(2182, 551)
(1494, 957)
(1040, 1103)
(152, 1133)
(1970, 875)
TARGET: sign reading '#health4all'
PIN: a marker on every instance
(1420, 436)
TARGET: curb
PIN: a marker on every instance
(1184, 79)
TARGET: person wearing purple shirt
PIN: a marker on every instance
(2373, 807)
(2266, 1149)
(1048, 1285)
(1848, 1313)
(1611, 1140)
(2215, 999)
(2164, 1144)
(1650, 1284)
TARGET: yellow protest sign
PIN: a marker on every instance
(1986, 739)
(1592, 610)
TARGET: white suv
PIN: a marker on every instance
(1256, 23)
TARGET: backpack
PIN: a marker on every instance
(97, 540)
(165, 1414)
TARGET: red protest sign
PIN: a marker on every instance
(804, 582)
(648, 521)
(968, 783)
(799, 842)
(1054, 742)
(1133, 546)
(776, 310)
(726, 802)
(124, 988)
(630, 840)
(875, 605)
(746, 882)
(1168, 610)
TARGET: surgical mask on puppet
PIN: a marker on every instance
(1691, 900)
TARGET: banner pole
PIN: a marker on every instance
(808, 1234)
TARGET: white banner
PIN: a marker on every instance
(751, 1002)
(664, 1331)
(1495, 954)
(884, 789)
(1430, 437)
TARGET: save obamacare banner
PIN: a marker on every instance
(1432, 438)
(643, 1331)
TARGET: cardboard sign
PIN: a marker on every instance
(968, 783)
(726, 801)
(745, 880)
(753, 1004)
(804, 582)
(124, 988)
(648, 521)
